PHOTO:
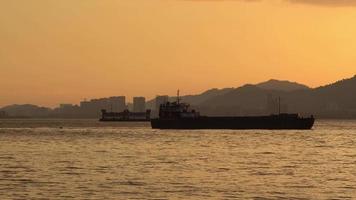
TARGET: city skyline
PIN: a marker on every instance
(329, 101)
(129, 101)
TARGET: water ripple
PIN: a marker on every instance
(90, 160)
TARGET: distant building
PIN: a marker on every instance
(117, 104)
(129, 106)
(66, 111)
(161, 100)
(139, 104)
(93, 107)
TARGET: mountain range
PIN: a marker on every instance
(286, 86)
(26, 110)
(336, 100)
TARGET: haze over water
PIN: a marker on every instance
(86, 159)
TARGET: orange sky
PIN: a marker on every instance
(63, 51)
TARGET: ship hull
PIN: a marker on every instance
(124, 120)
(263, 122)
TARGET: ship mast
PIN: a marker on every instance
(178, 96)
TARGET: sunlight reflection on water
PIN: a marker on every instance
(90, 160)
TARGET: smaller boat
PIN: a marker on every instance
(125, 116)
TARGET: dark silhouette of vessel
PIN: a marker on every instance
(125, 116)
(177, 115)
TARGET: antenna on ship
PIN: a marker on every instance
(178, 96)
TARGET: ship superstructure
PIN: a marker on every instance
(126, 115)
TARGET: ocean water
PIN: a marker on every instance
(86, 159)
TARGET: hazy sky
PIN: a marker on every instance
(58, 51)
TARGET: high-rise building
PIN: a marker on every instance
(93, 107)
(116, 104)
(139, 104)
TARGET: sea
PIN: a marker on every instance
(87, 159)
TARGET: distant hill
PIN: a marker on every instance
(282, 85)
(198, 99)
(204, 97)
(337, 100)
(26, 110)
(194, 99)
(248, 99)
(245, 100)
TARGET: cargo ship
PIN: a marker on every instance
(177, 115)
(125, 116)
